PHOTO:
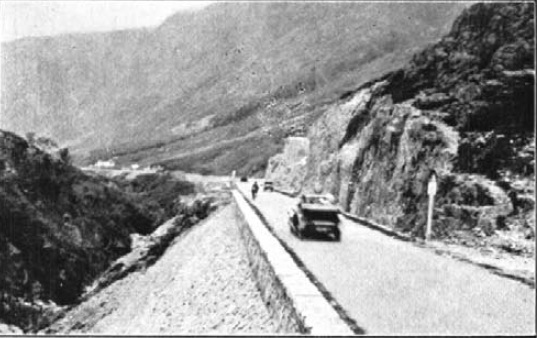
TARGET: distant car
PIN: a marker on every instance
(315, 214)
(268, 186)
(244, 179)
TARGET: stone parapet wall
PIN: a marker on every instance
(292, 298)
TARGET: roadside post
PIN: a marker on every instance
(232, 184)
(431, 191)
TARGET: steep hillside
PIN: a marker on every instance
(60, 228)
(462, 107)
(204, 83)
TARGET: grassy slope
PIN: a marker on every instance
(127, 90)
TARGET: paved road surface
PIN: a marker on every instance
(393, 287)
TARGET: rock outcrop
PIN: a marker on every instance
(60, 227)
(462, 107)
(287, 169)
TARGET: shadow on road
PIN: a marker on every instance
(318, 238)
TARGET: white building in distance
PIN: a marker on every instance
(105, 164)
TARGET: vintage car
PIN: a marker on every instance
(268, 186)
(244, 179)
(314, 215)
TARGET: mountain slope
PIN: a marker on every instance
(245, 64)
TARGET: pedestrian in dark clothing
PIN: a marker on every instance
(255, 189)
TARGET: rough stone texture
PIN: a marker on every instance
(287, 169)
(326, 136)
(397, 149)
(10, 330)
(272, 291)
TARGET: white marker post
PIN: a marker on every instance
(431, 191)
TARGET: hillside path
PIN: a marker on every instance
(393, 287)
(202, 284)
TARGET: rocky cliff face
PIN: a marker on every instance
(462, 107)
(60, 228)
(288, 168)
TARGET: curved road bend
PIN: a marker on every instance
(393, 287)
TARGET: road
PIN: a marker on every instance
(390, 286)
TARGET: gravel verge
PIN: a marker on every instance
(202, 284)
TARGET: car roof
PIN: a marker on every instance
(319, 207)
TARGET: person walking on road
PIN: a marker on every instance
(255, 189)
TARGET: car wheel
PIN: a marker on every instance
(337, 235)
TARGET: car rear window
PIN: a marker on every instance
(321, 215)
(315, 200)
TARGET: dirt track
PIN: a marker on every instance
(201, 285)
(393, 287)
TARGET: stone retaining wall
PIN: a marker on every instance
(270, 286)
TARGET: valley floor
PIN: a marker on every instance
(202, 284)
